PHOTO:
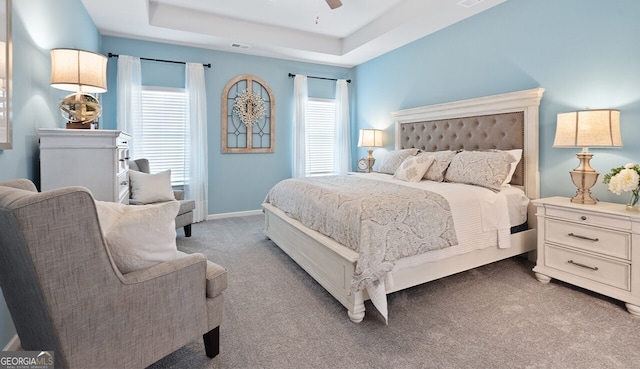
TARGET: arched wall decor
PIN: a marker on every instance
(248, 116)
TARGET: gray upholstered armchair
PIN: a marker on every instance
(66, 295)
(185, 214)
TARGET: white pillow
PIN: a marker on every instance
(392, 160)
(413, 168)
(517, 154)
(151, 188)
(139, 236)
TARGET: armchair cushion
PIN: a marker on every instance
(151, 188)
(139, 236)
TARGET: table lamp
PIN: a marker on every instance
(587, 128)
(82, 72)
(370, 138)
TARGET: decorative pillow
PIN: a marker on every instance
(440, 164)
(413, 168)
(151, 188)
(392, 160)
(517, 155)
(482, 168)
(139, 236)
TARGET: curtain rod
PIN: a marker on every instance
(160, 60)
(329, 79)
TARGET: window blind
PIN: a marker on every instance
(162, 136)
(320, 130)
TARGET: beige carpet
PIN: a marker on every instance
(496, 316)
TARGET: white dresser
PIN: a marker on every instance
(596, 247)
(96, 159)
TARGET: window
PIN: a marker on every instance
(162, 137)
(320, 132)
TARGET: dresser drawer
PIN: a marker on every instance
(589, 218)
(123, 160)
(586, 237)
(123, 187)
(610, 272)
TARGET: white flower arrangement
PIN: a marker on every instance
(250, 107)
(627, 179)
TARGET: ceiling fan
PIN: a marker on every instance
(333, 4)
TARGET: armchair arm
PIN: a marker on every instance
(165, 268)
(179, 194)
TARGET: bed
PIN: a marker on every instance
(503, 122)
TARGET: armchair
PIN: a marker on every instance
(185, 214)
(66, 295)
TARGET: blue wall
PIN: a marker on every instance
(237, 182)
(38, 26)
(583, 52)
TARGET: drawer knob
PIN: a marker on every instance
(583, 217)
(583, 237)
(582, 265)
(124, 183)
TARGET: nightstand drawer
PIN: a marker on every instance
(609, 272)
(586, 237)
(589, 218)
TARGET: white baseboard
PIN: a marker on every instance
(13, 345)
(234, 214)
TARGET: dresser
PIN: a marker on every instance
(96, 159)
(596, 247)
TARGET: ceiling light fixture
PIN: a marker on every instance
(333, 4)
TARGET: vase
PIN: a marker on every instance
(632, 205)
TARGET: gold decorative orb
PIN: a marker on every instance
(80, 108)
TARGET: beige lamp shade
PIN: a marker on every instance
(370, 138)
(588, 128)
(78, 70)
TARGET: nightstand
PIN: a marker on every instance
(596, 247)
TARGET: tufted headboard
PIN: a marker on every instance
(484, 132)
(504, 122)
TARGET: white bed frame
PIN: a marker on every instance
(332, 264)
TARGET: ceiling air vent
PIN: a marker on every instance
(469, 3)
(239, 46)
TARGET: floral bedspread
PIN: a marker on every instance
(382, 221)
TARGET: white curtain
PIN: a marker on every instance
(130, 99)
(300, 93)
(197, 163)
(343, 128)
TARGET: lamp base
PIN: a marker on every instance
(584, 177)
(78, 125)
(371, 160)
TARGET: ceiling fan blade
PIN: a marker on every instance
(334, 3)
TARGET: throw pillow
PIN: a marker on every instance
(139, 236)
(413, 168)
(392, 160)
(151, 188)
(441, 162)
